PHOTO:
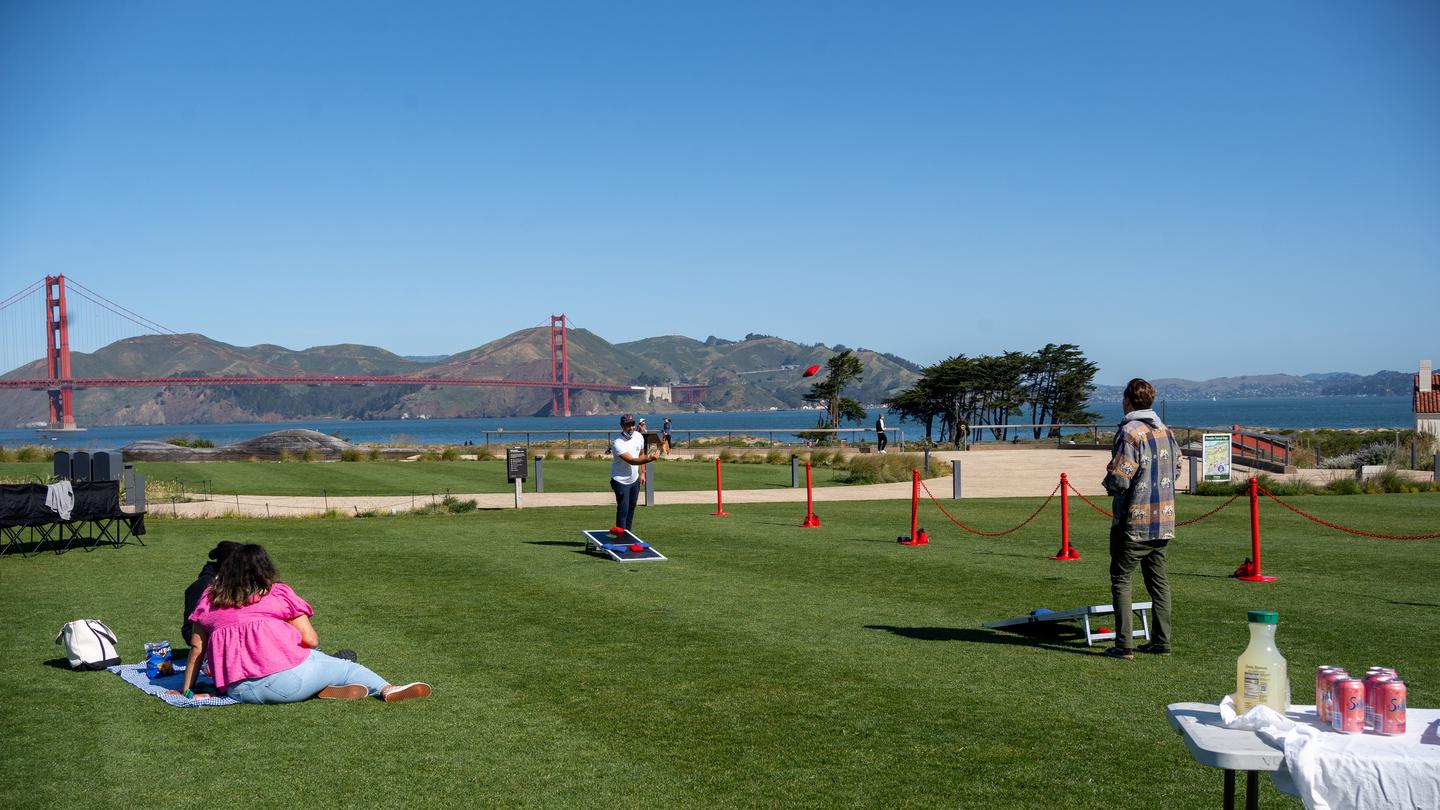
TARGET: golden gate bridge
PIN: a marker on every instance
(59, 384)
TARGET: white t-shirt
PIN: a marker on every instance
(622, 471)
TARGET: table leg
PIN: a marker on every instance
(1229, 803)
(1252, 790)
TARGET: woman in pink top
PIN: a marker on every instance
(261, 647)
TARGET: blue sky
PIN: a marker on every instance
(1182, 189)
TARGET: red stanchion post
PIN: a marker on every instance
(917, 536)
(719, 493)
(1255, 573)
(1067, 551)
(811, 521)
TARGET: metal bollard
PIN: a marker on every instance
(955, 481)
(539, 473)
(794, 471)
(650, 484)
(1194, 475)
(927, 461)
(1317, 457)
(1437, 468)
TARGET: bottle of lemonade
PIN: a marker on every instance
(1260, 673)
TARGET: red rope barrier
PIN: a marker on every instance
(1104, 512)
(990, 534)
(1337, 527)
(1211, 512)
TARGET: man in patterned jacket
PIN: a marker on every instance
(1141, 477)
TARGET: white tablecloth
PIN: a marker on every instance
(1333, 771)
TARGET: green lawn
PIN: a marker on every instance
(762, 665)
(405, 478)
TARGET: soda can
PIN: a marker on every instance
(1372, 698)
(1328, 696)
(1320, 686)
(1347, 708)
(1391, 705)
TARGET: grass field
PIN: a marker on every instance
(405, 478)
(762, 665)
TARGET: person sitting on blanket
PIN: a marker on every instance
(202, 581)
(255, 632)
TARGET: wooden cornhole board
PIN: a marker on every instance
(600, 541)
(1081, 615)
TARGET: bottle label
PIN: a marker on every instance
(1257, 686)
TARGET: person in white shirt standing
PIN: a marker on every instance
(629, 459)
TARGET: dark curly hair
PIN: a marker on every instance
(243, 577)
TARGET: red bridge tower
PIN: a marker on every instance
(57, 354)
(559, 367)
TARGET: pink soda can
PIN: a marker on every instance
(1328, 695)
(1372, 694)
(1347, 708)
(1391, 705)
(1321, 685)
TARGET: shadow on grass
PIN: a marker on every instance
(59, 663)
(576, 547)
(1047, 638)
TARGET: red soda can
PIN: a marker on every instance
(1372, 679)
(1391, 705)
(1328, 696)
(1320, 673)
(1347, 709)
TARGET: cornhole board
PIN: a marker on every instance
(1082, 615)
(600, 541)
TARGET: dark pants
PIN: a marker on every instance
(1149, 555)
(626, 496)
(881, 440)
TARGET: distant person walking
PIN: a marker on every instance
(665, 434)
(1145, 461)
(628, 451)
(880, 437)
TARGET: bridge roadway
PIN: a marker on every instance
(160, 382)
(998, 473)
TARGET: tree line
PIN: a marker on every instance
(967, 395)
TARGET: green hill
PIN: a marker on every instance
(756, 373)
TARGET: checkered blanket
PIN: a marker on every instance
(134, 674)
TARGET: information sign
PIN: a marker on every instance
(1215, 457)
(514, 464)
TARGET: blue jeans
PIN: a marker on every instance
(304, 680)
(626, 496)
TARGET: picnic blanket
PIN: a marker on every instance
(134, 674)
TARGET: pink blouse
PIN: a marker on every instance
(255, 640)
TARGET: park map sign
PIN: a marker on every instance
(1215, 455)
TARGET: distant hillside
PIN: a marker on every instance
(756, 373)
(1275, 386)
(763, 371)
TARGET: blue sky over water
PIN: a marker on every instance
(927, 179)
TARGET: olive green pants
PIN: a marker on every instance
(1149, 556)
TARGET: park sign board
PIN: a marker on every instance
(514, 464)
(1215, 457)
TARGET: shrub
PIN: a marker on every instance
(776, 457)
(1342, 486)
(286, 457)
(877, 469)
(455, 506)
(351, 454)
(727, 455)
(450, 454)
(375, 454)
(189, 441)
(483, 453)
(309, 455)
(6, 454)
(31, 452)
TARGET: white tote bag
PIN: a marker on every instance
(89, 644)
